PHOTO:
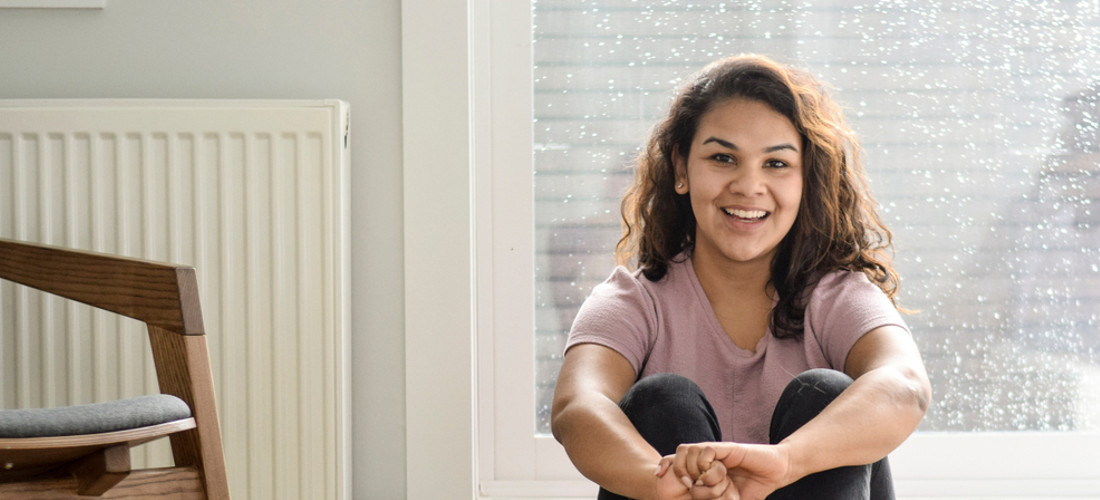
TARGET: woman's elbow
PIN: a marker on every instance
(916, 390)
(559, 416)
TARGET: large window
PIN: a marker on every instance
(981, 125)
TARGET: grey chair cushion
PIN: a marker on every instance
(92, 418)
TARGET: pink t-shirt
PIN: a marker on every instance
(668, 326)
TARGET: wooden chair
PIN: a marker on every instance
(165, 297)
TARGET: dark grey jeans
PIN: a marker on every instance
(670, 409)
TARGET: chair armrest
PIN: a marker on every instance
(159, 294)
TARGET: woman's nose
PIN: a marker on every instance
(747, 181)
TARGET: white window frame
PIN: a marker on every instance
(512, 462)
(437, 194)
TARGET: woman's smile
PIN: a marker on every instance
(747, 216)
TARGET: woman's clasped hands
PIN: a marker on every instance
(726, 471)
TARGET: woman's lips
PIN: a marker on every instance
(746, 215)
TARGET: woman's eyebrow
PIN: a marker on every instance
(780, 147)
(723, 143)
(770, 149)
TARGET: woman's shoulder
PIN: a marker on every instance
(622, 278)
(623, 288)
(676, 275)
(840, 281)
(844, 295)
(627, 288)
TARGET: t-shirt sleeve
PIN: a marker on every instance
(618, 314)
(844, 306)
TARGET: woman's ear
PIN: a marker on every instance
(681, 171)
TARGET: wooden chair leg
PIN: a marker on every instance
(101, 471)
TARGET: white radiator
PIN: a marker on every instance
(251, 193)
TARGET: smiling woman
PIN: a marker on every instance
(982, 147)
(724, 311)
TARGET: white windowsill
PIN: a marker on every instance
(930, 465)
(974, 489)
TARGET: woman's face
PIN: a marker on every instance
(744, 177)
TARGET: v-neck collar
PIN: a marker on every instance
(711, 318)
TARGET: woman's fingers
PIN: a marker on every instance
(680, 466)
(698, 467)
(686, 464)
(714, 475)
(713, 483)
(664, 465)
(705, 458)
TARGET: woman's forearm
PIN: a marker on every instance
(865, 423)
(597, 435)
(605, 447)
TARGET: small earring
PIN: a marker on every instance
(679, 185)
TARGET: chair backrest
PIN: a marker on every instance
(164, 297)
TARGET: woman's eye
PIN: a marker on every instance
(723, 158)
(776, 164)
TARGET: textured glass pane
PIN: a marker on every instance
(981, 125)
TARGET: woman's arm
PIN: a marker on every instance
(866, 422)
(874, 415)
(600, 440)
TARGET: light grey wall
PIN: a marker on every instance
(272, 49)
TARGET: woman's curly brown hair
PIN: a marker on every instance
(837, 227)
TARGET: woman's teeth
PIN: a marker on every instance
(745, 214)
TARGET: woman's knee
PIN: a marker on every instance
(662, 394)
(668, 410)
(804, 398)
(662, 387)
(818, 383)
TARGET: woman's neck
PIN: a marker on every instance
(722, 278)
